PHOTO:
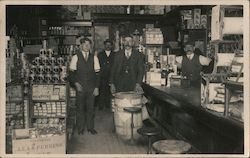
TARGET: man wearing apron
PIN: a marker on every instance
(128, 69)
(84, 69)
(191, 65)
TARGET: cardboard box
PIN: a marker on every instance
(47, 145)
(197, 17)
(204, 21)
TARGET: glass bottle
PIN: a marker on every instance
(158, 64)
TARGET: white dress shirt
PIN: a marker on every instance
(204, 61)
(107, 53)
(128, 53)
(73, 63)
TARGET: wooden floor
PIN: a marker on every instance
(106, 141)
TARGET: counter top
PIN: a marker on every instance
(189, 99)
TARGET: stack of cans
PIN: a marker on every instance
(47, 68)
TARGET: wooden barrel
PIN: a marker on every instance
(122, 118)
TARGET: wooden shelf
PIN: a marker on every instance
(47, 100)
(144, 18)
(37, 117)
(78, 23)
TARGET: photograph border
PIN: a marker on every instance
(246, 36)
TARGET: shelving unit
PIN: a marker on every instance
(15, 118)
(194, 26)
(234, 103)
(48, 109)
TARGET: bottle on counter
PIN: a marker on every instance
(158, 64)
(163, 77)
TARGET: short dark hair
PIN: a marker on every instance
(127, 35)
(85, 39)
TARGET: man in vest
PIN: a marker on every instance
(106, 59)
(191, 64)
(128, 69)
(84, 69)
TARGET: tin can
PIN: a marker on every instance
(52, 61)
(47, 69)
(49, 53)
(55, 78)
(40, 69)
(40, 78)
(56, 69)
(37, 61)
(48, 78)
(60, 61)
(42, 53)
(44, 61)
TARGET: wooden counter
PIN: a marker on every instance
(179, 111)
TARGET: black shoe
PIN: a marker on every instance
(92, 131)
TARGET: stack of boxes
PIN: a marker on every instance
(153, 36)
(48, 92)
(48, 69)
(155, 9)
(14, 108)
(50, 109)
(193, 19)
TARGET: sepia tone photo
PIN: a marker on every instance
(125, 79)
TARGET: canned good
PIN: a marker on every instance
(55, 78)
(44, 60)
(52, 61)
(40, 78)
(33, 69)
(60, 61)
(56, 69)
(40, 69)
(37, 61)
(49, 53)
(47, 69)
(42, 53)
(48, 78)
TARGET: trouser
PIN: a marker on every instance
(104, 97)
(85, 109)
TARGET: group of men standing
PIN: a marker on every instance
(109, 73)
(103, 75)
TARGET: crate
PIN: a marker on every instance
(46, 145)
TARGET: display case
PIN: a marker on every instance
(234, 102)
(48, 110)
(16, 112)
(195, 26)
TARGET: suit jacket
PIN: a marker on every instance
(136, 67)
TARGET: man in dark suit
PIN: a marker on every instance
(128, 69)
(84, 69)
(106, 59)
